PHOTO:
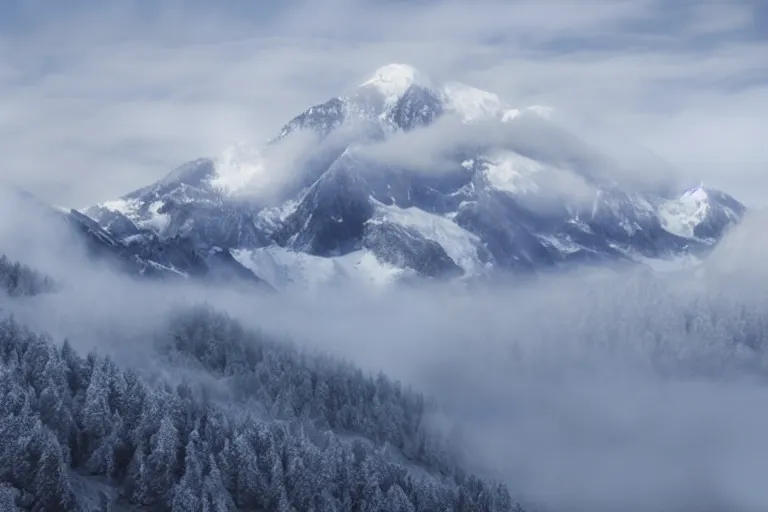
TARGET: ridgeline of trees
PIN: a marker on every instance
(19, 280)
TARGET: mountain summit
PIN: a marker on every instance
(402, 176)
(393, 80)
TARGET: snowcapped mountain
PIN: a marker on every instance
(51, 234)
(404, 177)
(701, 213)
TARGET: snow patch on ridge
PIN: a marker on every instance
(682, 216)
(157, 221)
(563, 244)
(513, 173)
(393, 80)
(127, 207)
(459, 244)
(289, 270)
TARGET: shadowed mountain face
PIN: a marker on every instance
(439, 180)
(119, 244)
(147, 255)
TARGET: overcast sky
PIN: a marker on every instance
(98, 98)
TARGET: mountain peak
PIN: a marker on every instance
(393, 80)
(701, 212)
(697, 193)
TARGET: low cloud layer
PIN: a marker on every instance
(101, 100)
(593, 391)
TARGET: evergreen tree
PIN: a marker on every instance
(9, 498)
(250, 486)
(216, 498)
(187, 494)
(161, 462)
(17, 279)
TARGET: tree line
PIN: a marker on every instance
(20, 280)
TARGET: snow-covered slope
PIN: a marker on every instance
(700, 213)
(393, 80)
(461, 246)
(284, 269)
(401, 172)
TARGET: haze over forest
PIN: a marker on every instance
(377, 256)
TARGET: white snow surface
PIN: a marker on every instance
(549, 184)
(157, 221)
(272, 216)
(513, 173)
(130, 208)
(167, 268)
(393, 80)
(469, 103)
(127, 207)
(460, 245)
(564, 244)
(640, 206)
(289, 270)
(682, 216)
(244, 168)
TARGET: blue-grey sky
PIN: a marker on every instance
(97, 98)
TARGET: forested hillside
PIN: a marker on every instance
(17, 279)
(303, 433)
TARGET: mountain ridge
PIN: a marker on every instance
(512, 191)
